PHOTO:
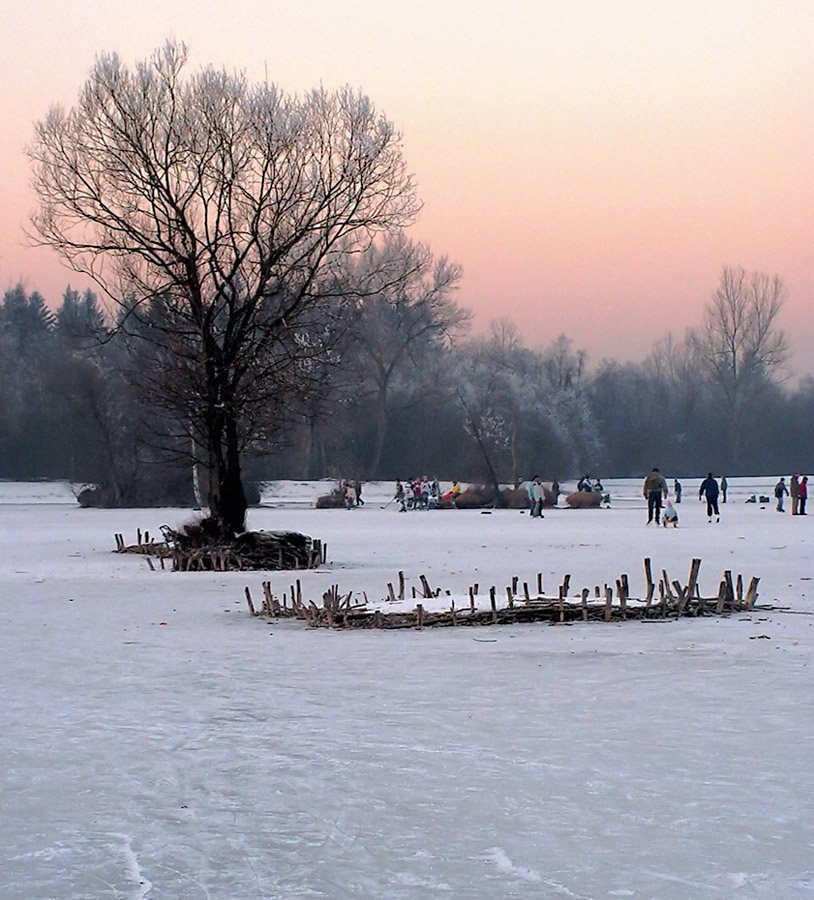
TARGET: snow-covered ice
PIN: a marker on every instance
(159, 743)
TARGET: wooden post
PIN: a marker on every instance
(683, 597)
(526, 596)
(401, 585)
(515, 581)
(692, 582)
(471, 600)
(509, 598)
(249, 601)
(560, 598)
(623, 594)
(425, 585)
(730, 590)
(585, 593)
(608, 603)
(391, 593)
(739, 591)
(150, 564)
(539, 584)
(719, 606)
(419, 616)
(701, 609)
(492, 603)
(453, 613)
(648, 574)
(751, 593)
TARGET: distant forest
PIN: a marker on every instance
(406, 391)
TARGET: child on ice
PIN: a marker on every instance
(669, 516)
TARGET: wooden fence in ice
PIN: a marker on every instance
(663, 598)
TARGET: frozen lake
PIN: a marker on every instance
(160, 743)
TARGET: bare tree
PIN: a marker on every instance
(676, 372)
(405, 315)
(564, 366)
(216, 213)
(742, 348)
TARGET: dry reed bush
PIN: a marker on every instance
(584, 500)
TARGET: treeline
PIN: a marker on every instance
(407, 391)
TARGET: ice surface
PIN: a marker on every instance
(159, 743)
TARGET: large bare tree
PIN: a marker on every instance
(742, 348)
(217, 213)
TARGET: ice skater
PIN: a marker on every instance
(709, 489)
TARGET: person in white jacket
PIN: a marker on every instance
(537, 497)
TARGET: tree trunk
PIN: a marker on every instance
(196, 476)
(490, 469)
(227, 499)
(379, 434)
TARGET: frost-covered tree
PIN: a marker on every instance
(525, 409)
(216, 211)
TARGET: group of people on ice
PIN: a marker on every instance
(796, 491)
(353, 494)
(655, 490)
(711, 490)
(594, 486)
(590, 484)
(423, 493)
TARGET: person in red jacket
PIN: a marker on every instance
(802, 496)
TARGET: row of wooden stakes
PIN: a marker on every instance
(664, 598)
(269, 551)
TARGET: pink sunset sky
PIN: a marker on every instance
(592, 164)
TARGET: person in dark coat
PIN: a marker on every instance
(780, 491)
(709, 489)
(653, 489)
(794, 493)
